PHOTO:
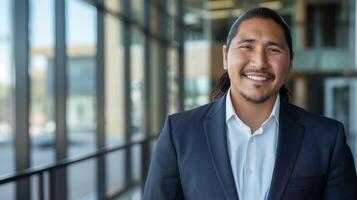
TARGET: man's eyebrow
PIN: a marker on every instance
(271, 43)
(246, 41)
(276, 44)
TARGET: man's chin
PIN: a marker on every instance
(255, 99)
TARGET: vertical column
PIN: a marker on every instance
(300, 88)
(354, 32)
(147, 91)
(100, 95)
(163, 23)
(181, 59)
(156, 103)
(127, 87)
(58, 181)
(300, 23)
(21, 126)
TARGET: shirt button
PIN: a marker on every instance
(251, 140)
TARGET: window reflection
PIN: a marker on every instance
(81, 41)
(137, 82)
(81, 62)
(6, 98)
(114, 81)
(41, 39)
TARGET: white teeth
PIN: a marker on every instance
(257, 78)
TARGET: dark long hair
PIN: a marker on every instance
(224, 82)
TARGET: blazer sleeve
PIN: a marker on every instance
(163, 181)
(341, 180)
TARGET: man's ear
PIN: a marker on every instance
(224, 52)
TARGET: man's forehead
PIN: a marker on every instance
(257, 29)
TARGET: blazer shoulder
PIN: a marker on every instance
(318, 126)
(197, 114)
(313, 118)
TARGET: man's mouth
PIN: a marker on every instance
(258, 76)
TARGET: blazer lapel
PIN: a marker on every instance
(290, 137)
(215, 128)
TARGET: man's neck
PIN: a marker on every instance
(252, 114)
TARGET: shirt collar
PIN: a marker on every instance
(230, 112)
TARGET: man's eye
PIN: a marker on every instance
(274, 50)
(245, 47)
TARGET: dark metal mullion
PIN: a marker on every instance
(22, 100)
(181, 64)
(147, 93)
(41, 186)
(127, 88)
(58, 178)
(133, 23)
(100, 105)
(164, 62)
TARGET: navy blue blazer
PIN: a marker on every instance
(191, 159)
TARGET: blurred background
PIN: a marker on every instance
(85, 85)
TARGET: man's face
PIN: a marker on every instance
(258, 60)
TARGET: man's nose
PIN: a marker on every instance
(259, 58)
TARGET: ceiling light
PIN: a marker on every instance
(212, 5)
(272, 5)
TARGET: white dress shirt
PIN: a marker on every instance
(252, 155)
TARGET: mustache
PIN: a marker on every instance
(255, 71)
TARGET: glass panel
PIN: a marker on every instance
(136, 163)
(156, 108)
(114, 81)
(7, 191)
(173, 78)
(81, 114)
(41, 39)
(137, 82)
(155, 16)
(172, 7)
(113, 5)
(115, 172)
(81, 62)
(198, 72)
(137, 11)
(6, 97)
(82, 179)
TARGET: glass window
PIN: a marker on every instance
(137, 57)
(41, 39)
(340, 95)
(196, 45)
(113, 6)
(137, 11)
(81, 38)
(327, 28)
(114, 81)
(173, 78)
(6, 98)
(41, 59)
(81, 63)
(137, 82)
(82, 180)
(115, 170)
(114, 91)
(197, 71)
(323, 18)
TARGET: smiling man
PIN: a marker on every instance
(251, 143)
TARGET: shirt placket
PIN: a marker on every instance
(249, 170)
